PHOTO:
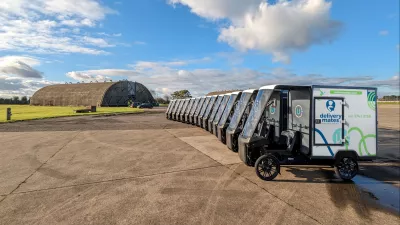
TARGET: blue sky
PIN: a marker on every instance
(202, 46)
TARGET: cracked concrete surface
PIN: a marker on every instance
(87, 171)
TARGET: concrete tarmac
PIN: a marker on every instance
(144, 169)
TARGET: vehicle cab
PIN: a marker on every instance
(170, 106)
(183, 109)
(207, 110)
(227, 115)
(212, 109)
(327, 125)
(198, 109)
(192, 110)
(177, 108)
(202, 111)
(220, 111)
(239, 118)
(187, 110)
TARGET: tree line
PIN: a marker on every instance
(176, 95)
(15, 100)
(390, 98)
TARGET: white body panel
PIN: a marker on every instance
(355, 117)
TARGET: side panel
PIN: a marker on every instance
(360, 124)
(299, 118)
(273, 113)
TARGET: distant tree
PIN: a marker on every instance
(24, 100)
(167, 98)
(181, 94)
(15, 100)
(153, 93)
(160, 100)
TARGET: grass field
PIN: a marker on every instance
(388, 103)
(27, 112)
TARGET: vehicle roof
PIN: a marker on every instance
(277, 86)
(249, 90)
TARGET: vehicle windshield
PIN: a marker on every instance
(171, 107)
(221, 108)
(228, 109)
(209, 106)
(199, 106)
(184, 106)
(256, 112)
(240, 107)
(196, 102)
(179, 106)
(203, 109)
(189, 106)
(176, 106)
(216, 106)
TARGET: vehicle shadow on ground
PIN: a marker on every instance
(389, 174)
(342, 193)
(388, 144)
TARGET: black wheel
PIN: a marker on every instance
(346, 168)
(267, 167)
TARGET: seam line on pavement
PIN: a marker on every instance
(195, 148)
(277, 197)
(227, 166)
(44, 163)
(112, 180)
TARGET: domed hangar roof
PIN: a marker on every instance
(86, 94)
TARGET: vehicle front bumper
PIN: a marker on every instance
(214, 128)
(221, 133)
(231, 137)
(243, 146)
(204, 123)
(210, 126)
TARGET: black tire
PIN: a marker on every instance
(346, 168)
(267, 167)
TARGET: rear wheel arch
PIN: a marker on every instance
(346, 153)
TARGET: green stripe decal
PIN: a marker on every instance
(362, 142)
(346, 92)
(371, 100)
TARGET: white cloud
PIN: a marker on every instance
(20, 66)
(220, 9)
(16, 86)
(78, 23)
(96, 42)
(110, 35)
(160, 65)
(18, 77)
(278, 29)
(87, 77)
(383, 32)
(43, 26)
(31, 61)
(100, 75)
(165, 79)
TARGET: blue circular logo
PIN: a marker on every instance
(337, 136)
(298, 111)
(330, 105)
(272, 109)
